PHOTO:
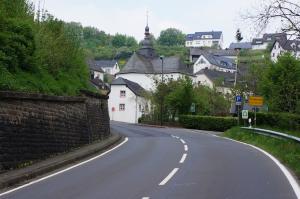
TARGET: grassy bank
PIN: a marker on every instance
(288, 152)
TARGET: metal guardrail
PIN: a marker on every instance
(274, 133)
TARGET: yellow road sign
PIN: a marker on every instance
(256, 101)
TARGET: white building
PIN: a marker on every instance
(126, 101)
(96, 71)
(108, 66)
(213, 62)
(280, 47)
(205, 39)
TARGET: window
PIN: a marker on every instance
(273, 55)
(121, 107)
(122, 94)
(202, 61)
(140, 108)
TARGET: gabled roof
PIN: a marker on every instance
(214, 75)
(289, 45)
(105, 63)
(94, 67)
(134, 87)
(240, 45)
(269, 38)
(198, 35)
(143, 65)
(222, 62)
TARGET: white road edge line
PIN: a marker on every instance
(168, 177)
(183, 142)
(145, 198)
(64, 170)
(186, 148)
(183, 158)
(285, 171)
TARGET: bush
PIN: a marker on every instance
(285, 121)
(210, 123)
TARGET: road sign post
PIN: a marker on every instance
(256, 101)
(238, 102)
(245, 116)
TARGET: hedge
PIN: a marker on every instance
(210, 123)
(285, 121)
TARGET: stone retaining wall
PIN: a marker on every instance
(35, 126)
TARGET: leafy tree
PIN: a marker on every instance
(171, 37)
(119, 40)
(281, 85)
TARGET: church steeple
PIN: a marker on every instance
(147, 49)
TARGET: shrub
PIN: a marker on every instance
(207, 122)
(286, 121)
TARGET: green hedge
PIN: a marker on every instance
(285, 121)
(207, 122)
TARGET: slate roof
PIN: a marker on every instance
(240, 45)
(289, 45)
(198, 35)
(222, 62)
(143, 65)
(99, 84)
(200, 51)
(227, 78)
(103, 63)
(270, 38)
(134, 87)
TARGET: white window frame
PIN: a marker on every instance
(121, 107)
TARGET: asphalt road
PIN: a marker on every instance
(159, 163)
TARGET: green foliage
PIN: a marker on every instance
(207, 122)
(171, 37)
(285, 121)
(281, 85)
(287, 151)
(167, 51)
(39, 56)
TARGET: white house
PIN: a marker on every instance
(222, 81)
(213, 62)
(108, 66)
(126, 101)
(96, 71)
(205, 39)
(266, 40)
(280, 47)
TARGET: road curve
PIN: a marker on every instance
(159, 163)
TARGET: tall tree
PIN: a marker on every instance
(281, 85)
(171, 37)
(285, 12)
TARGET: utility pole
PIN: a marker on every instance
(162, 81)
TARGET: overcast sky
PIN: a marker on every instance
(129, 16)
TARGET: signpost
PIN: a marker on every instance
(238, 103)
(245, 116)
(256, 101)
(193, 108)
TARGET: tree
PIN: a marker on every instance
(238, 36)
(171, 37)
(281, 85)
(119, 40)
(286, 12)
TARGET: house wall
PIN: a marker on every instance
(199, 66)
(98, 75)
(262, 46)
(111, 70)
(132, 110)
(202, 79)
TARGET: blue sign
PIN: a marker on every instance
(238, 100)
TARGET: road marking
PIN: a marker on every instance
(285, 171)
(186, 148)
(183, 142)
(62, 171)
(168, 177)
(145, 197)
(183, 158)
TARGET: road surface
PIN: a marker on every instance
(161, 163)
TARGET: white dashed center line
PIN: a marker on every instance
(183, 158)
(168, 177)
(145, 198)
(183, 142)
(186, 148)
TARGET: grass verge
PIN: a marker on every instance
(287, 151)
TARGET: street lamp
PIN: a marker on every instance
(162, 81)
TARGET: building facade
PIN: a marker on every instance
(205, 39)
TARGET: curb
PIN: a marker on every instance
(18, 176)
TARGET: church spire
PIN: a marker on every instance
(147, 33)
